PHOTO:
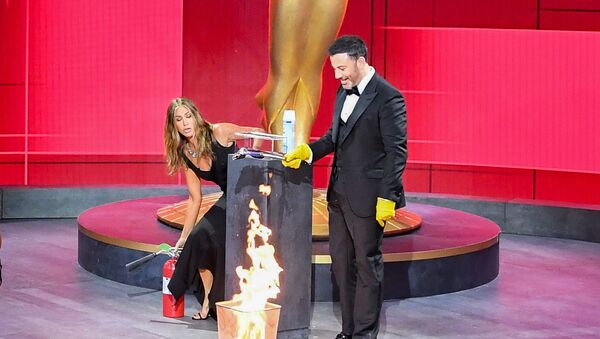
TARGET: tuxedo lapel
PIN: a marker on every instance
(339, 103)
(363, 102)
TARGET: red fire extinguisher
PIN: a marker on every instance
(171, 308)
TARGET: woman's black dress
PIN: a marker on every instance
(205, 246)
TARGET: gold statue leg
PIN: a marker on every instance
(300, 33)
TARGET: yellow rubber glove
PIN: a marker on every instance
(294, 158)
(385, 210)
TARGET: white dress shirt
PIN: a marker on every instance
(352, 99)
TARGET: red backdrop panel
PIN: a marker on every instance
(500, 98)
(570, 20)
(463, 13)
(12, 119)
(572, 15)
(13, 23)
(99, 77)
(101, 74)
(12, 90)
(573, 187)
(410, 13)
(98, 173)
(584, 5)
(225, 57)
(378, 35)
(488, 14)
(12, 173)
(417, 178)
(482, 181)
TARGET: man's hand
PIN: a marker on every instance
(385, 210)
(294, 158)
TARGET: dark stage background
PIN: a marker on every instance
(502, 96)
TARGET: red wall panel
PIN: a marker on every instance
(101, 74)
(13, 22)
(378, 33)
(11, 144)
(321, 175)
(572, 187)
(570, 4)
(570, 20)
(486, 14)
(91, 173)
(410, 13)
(499, 98)
(463, 13)
(225, 57)
(12, 113)
(581, 15)
(417, 178)
(12, 173)
(481, 181)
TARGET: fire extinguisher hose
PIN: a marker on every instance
(163, 249)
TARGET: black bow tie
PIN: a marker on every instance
(353, 90)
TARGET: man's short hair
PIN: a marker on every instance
(351, 44)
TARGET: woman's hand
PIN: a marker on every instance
(180, 243)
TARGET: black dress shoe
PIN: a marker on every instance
(341, 335)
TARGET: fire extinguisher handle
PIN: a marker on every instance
(174, 252)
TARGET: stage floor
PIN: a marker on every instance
(451, 251)
(546, 288)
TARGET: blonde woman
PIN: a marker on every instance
(201, 150)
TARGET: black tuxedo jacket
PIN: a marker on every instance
(370, 151)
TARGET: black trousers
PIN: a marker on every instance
(357, 265)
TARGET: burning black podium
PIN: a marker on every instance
(282, 197)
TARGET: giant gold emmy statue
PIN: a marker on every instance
(300, 33)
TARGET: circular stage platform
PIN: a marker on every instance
(450, 251)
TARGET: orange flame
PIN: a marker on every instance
(260, 282)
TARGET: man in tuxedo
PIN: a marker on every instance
(368, 139)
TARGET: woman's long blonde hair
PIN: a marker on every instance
(175, 142)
